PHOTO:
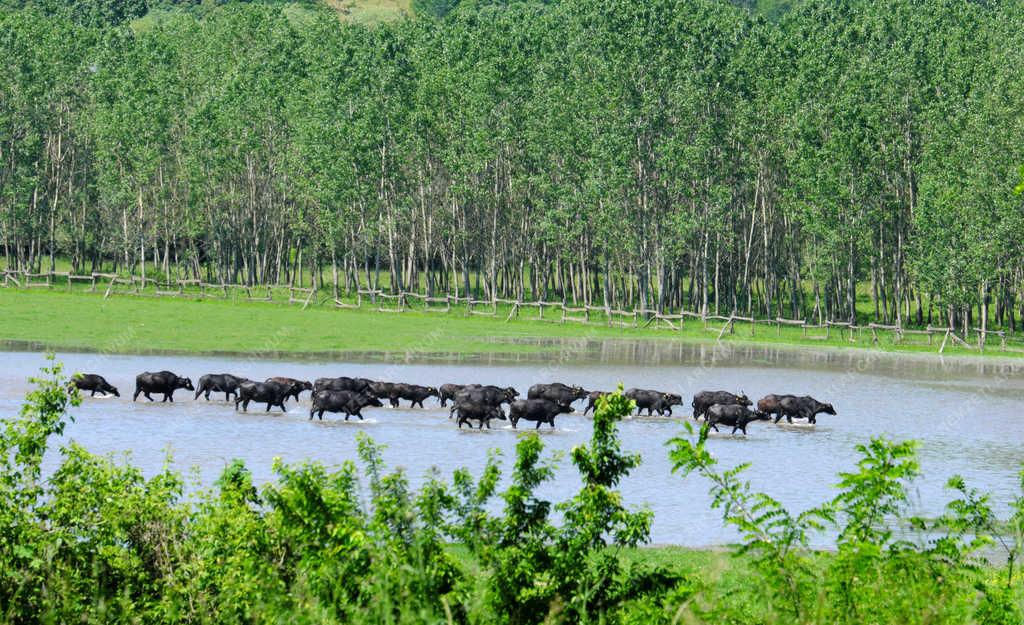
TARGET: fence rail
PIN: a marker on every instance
(403, 301)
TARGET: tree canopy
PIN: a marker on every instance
(670, 153)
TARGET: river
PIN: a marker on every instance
(965, 413)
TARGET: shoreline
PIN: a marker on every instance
(87, 323)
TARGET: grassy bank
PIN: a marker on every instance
(121, 323)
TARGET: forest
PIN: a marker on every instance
(833, 161)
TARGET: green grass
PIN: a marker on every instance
(360, 11)
(56, 318)
(371, 11)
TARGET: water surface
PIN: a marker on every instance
(964, 412)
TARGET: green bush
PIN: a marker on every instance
(434, 8)
(888, 567)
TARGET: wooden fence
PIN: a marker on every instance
(552, 312)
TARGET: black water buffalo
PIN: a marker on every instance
(447, 392)
(481, 412)
(94, 384)
(706, 399)
(772, 405)
(386, 390)
(271, 393)
(556, 392)
(805, 407)
(654, 401)
(414, 393)
(592, 398)
(295, 387)
(349, 402)
(219, 382)
(539, 410)
(160, 382)
(735, 415)
(359, 385)
(489, 395)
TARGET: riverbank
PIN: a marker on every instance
(125, 324)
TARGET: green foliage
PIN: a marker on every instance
(94, 12)
(835, 161)
(881, 572)
(434, 8)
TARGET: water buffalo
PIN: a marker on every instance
(359, 385)
(386, 390)
(772, 405)
(414, 393)
(539, 410)
(592, 398)
(295, 387)
(805, 407)
(219, 382)
(349, 402)
(556, 392)
(706, 399)
(481, 412)
(160, 382)
(447, 392)
(654, 401)
(271, 393)
(735, 415)
(93, 383)
(490, 395)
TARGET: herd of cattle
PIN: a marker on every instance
(469, 402)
